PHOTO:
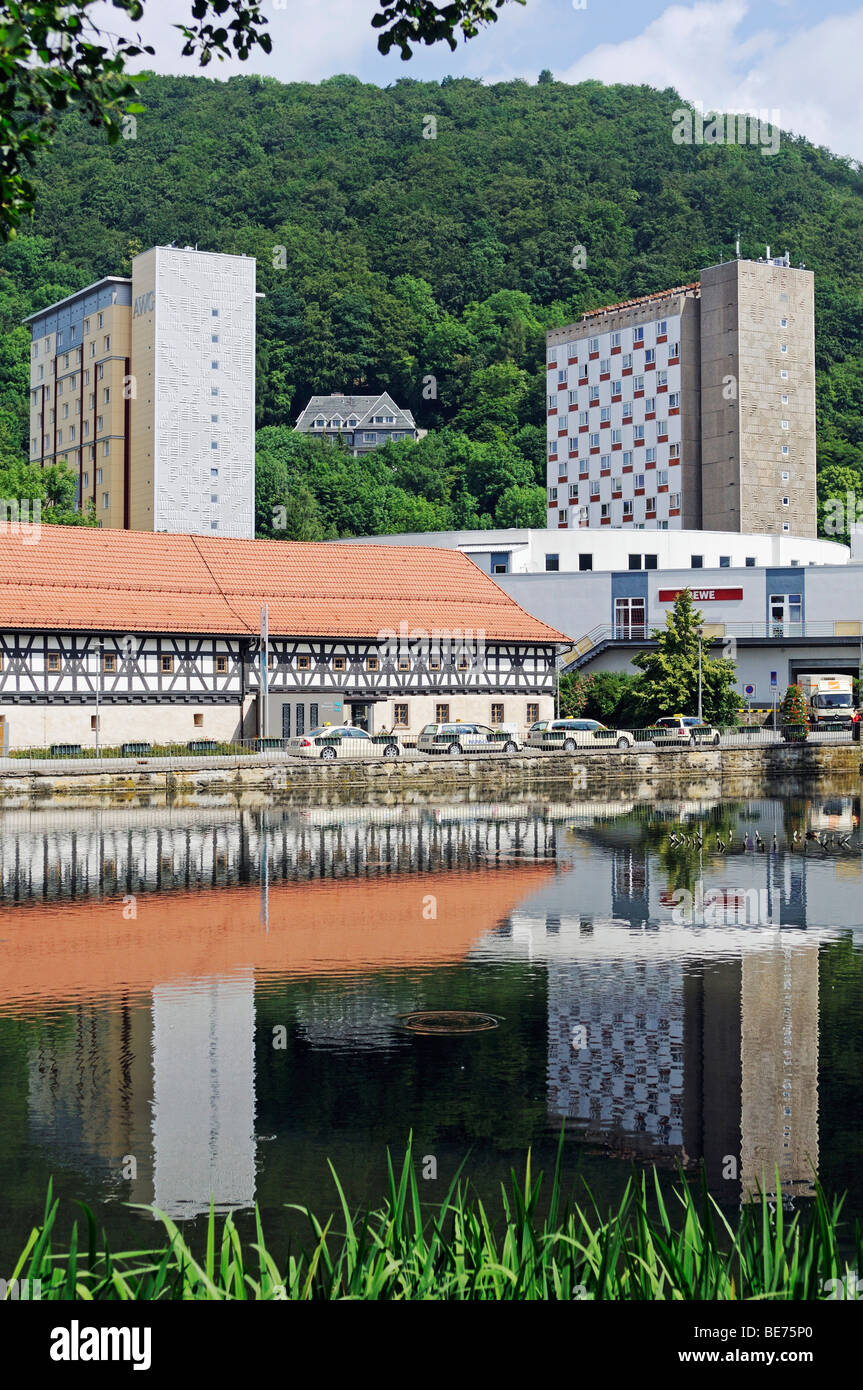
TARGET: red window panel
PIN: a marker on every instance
(639, 443)
(636, 395)
(573, 453)
(674, 361)
(572, 361)
(639, 492)
(551, 366)
(615, 447)
(592, 356)
(605, 376)
(627, 468)
(562, 525)
(650, 366)
(605, 472)
(674, 511)
(650, 465)
(675, 410)
(662, 338)
(663, 487)
(650, 415)
(615, 496)
(660, 389)
(552, 504)
(636, 346)
(662, 439)
(552, 410)
(605, 425)
(615, 351)
(627, 371)
(605, 521)
(596, 450)
(615, 399)
(563, 431)
(650, 516)
(583, 429)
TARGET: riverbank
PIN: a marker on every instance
(645, 1250)
(260, 780)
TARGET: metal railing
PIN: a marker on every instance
(849, 629)
(59, 759)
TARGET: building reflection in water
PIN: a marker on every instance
(666, 1042)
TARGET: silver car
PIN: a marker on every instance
(569, 734)
(331, 741)
(467, 738)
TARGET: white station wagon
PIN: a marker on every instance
(467, 738)
(570, 734)
(331, 741)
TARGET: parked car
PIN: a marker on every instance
(331, 741)
(682, 728)
(570, 734)
(467, 738)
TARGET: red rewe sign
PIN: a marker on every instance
(701, 595)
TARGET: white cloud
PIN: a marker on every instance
(811, 76)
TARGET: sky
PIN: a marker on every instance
(795, 61)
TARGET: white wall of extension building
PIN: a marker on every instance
(527, 549)
(38, 726)
(828, 636)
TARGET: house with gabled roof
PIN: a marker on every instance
(362, 422)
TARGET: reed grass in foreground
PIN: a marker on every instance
(644, 1249)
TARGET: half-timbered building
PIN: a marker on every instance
(159, 638)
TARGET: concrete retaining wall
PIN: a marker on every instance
(778, 770)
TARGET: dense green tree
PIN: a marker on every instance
(54, 487)
(668, 680)
(431, 267)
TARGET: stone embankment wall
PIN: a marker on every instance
(775, 770)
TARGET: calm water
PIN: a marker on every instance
(210, 1002)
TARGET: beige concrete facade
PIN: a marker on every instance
(758, 398)
(79, 396)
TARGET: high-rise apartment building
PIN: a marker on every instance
(145, 387)
(693, 408)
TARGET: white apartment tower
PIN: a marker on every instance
(693, 408)
(145, 388)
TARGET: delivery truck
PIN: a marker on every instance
(829, 700)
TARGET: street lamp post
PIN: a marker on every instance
(699, 630)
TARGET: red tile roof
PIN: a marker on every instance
(87, 580)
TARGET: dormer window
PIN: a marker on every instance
(353, 421)
(319, 424)
(335, 423)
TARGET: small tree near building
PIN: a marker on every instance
(794, 713)
(668, 680)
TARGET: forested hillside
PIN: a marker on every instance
(431, 266)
